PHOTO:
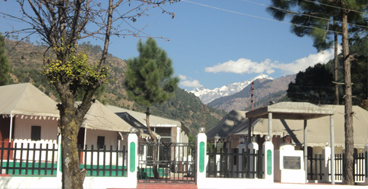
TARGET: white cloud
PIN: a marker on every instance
(242, 66)
(182, 77)
(248, 66)
(187, 82)
(303, 63)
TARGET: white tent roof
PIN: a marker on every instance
(26, 99)
(155, 121)
(101, 118)
(318, 129)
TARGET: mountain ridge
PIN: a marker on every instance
(208, 95)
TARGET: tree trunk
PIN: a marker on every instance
(72, 177)
(336, 68)
(349, 137)
(155, 145)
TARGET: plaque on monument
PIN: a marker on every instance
(292, 162)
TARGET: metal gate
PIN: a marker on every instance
(173, 162)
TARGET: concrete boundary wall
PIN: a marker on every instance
(204, 182)
(7, 181)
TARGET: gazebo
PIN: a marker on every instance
(295, 111)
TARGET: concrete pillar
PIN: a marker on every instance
(253, 160)
(326, 154)
(332, 136)
(268, 164)
(59, 171)
(201, 157)
(366, 163)
(305, 151)
(132, 162)
(241, 148)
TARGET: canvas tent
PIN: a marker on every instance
(232, 121)
(317, 130)
(24, 104)
(139, 119)
(26, 99)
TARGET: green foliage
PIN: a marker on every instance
(148, 78)
(314, 85)
(77, 71)
(316, 19)
(4, 64)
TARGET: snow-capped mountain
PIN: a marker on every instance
(208, 95)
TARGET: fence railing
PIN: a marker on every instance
(28, 159)
(103, 162)
(235, 164)
(173, 162)
(316, 165)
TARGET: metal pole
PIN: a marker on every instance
(332, 137)
(11, 127)
(270, 124)
(305, 151)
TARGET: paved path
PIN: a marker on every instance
(268, 186)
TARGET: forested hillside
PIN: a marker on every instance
(25, 60)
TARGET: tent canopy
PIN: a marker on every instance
(231, 121)
(26, 99)
(100, 117)
(291, 110)
(155, 121)
(318, 130)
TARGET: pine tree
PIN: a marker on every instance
(344, 11)
(4, 64)
(149, 81)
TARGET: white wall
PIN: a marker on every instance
(22, 129)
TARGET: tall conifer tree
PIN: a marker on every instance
(4, 64)
(149, 80)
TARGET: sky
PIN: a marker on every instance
(213, 43)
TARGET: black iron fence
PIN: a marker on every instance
(235, 163)
(28, 159)
(316, 167)
(166, 162)
(103, 161)
(32, 158)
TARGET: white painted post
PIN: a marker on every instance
(253, 168)
(326, 154)
(201, 157)
(59, 172)
(268, 165)
(366, 162)
(241, 147)
(132, 160)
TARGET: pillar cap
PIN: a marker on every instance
(133, 130)
(267, 138)
(202, 130)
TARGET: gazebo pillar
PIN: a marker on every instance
(270, 124)
(332, 138)
(305, 151)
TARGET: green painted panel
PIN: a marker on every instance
(132, 157)
(201, 157)
(269, 162)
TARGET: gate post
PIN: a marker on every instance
(132, 159)
(326, 154)
(366, 163)
(253, 148)
(268, 158)
(201, 157)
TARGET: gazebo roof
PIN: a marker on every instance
(291, 110)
